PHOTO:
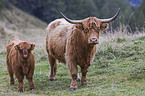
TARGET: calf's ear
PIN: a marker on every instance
(16, 47)
(32, 46)
(104, 26)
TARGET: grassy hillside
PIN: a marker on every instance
(15, 23)
(118, 67)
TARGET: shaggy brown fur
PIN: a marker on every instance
(20, 61)
(73, 44)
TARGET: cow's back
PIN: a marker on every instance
(58, 28)
(57, 34)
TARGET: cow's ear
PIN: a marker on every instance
(104, 26)
(32, 46)
(16, 47)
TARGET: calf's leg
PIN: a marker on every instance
(31, 84)
(20, 83)
(29, 77)
(10, 71)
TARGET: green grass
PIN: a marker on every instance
(118, 67)
(112, 74)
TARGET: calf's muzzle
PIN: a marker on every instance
(25, 53)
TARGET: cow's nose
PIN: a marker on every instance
(94, 41)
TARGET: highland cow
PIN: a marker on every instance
(20, 61)
(74, 42)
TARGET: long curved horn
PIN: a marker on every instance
(111, 19)
(71, 21)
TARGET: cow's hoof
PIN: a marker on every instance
(73, 89)
(32, 88)
(12, 84)
(20, 91)
(85, 84)
(51, 79)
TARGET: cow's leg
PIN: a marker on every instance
(73, 71)
(11, 75)
(20, 83)
(30, 80)
(53, 67)
(84, 73)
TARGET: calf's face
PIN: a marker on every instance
(25, 49)
(91, 28)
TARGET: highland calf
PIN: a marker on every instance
(74, 42)
(20, 61)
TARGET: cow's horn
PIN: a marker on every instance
(111, 19)
(71, 21)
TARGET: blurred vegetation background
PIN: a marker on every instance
(132, 12)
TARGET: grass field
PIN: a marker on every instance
(118, 68)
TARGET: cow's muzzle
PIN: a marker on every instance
(93, 41)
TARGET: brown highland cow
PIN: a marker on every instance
(20, 61)
(74, 42)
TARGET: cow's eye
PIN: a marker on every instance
(86, 30)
